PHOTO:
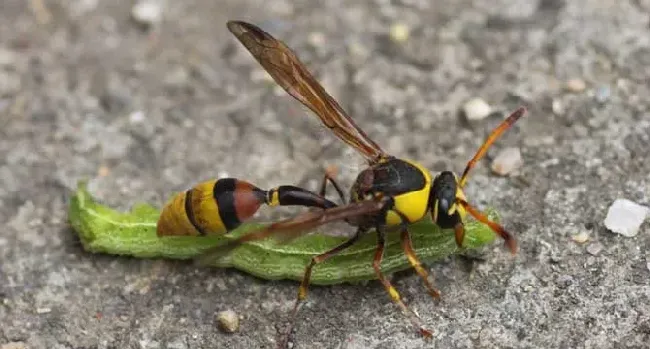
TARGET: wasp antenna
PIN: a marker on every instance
(509, 240)
(509, 121)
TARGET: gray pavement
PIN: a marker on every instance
(87, 93)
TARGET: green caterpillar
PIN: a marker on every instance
(104, 230)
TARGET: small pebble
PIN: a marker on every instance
(316, 39)
(581, 237)
(595, 248)
(557, 107)
(136, 117)
(399, 32)
(476, 109)
(146, 12)
(40, 11)
(103, 171)
(228, 321)
(625, 217)
(576, 85)
(508, 160)
(8, 58)
(14, 345)
(43, 310)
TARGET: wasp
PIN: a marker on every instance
(389, 194)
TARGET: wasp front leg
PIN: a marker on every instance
(394, 295)
(219, 206)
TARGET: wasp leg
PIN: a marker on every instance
(407, 246)
(330, 174)
(509, 240)
(494, 135)
(302, 291)
(459, 232)
(394, 295)
(413, 259)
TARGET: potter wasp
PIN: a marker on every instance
(389, 193)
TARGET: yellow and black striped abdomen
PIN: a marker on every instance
(211, 207)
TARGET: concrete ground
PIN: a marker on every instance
(86, 92)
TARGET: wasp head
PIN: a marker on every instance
(445, 191)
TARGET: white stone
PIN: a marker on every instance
(625, 217)
(14, 345)
(581, 237)
(43, 310)
(508, 160)
(316, 39)
(228, 320)
(147, 12)
(576, 85)
(399, 32)
(476, 109)
(136, 117)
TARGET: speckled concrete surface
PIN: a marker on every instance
(87, 93)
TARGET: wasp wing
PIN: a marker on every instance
(289, 229)
(287, 70)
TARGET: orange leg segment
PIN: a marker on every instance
(459, 231)
(407, 246)
(509, 240)
(505, 125)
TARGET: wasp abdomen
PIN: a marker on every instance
(219, 206)
(211, 207)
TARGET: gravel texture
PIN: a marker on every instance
(142, 111)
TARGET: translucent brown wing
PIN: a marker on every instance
(287, 70)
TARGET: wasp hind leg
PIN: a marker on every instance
(304, 285)
(394, 295)
(330, 175)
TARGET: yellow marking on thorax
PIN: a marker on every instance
(413, 204)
